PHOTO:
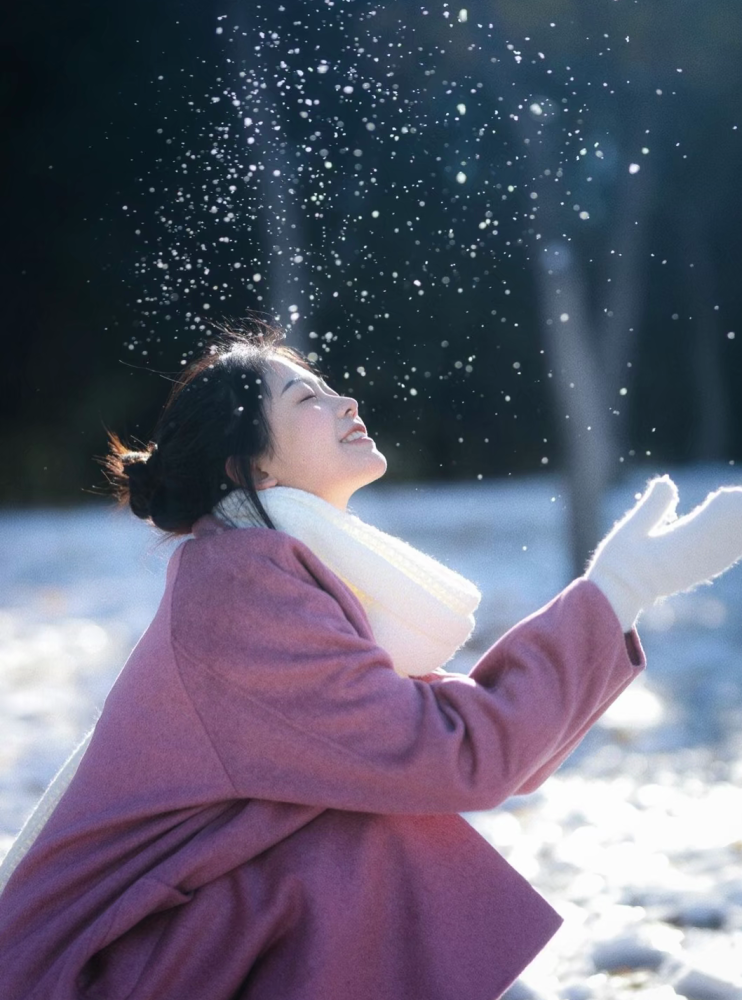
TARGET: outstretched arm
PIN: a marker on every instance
(301, 708)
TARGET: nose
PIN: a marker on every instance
(348, 405)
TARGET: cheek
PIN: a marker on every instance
(321, 423)
(309, 440)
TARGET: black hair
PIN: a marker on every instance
(215, 412)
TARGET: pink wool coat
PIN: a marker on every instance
(268, 812)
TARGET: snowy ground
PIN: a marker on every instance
(637, 841)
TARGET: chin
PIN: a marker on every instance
(374, 470)
(380, 464)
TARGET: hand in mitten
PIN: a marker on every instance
(650, 553)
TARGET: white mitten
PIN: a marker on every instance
(650, 553)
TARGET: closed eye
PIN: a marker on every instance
(313, 396)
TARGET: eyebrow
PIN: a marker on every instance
(302, 378)
(293, 381)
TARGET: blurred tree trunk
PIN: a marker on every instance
(710, 436)
(279, 220)
(586, 435)
(283, 237)
(626, 297)
(589, 347)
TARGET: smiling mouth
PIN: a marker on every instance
(358, 435)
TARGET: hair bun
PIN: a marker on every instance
(140, 470)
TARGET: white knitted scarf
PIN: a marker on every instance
(420, 611)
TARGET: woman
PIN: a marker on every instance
(267, 807)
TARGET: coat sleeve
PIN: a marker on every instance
(301, 708)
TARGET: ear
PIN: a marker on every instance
(261, 479)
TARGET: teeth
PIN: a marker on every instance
(354, 436)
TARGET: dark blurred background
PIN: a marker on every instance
(512, 229)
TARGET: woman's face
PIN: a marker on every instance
(319, 442)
